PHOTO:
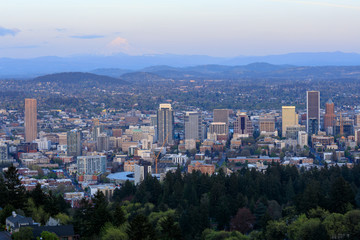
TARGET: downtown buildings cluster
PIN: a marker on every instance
(89, 153)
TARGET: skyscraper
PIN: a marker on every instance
(90, 165)
(289, 118)
(243, 124)
(267, 123)
(221, 115)
(74, 147)
(30, 119)
(193, 126)
(165, 124)
(329, 117)
(312, 111)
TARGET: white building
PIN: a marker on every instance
(302, 138)
(141, 172)
(91, 165)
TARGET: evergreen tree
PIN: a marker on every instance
(170, 230)
(119, 216)
(38, 195)
(140, 229)
(98, 214)
(3, 192)
(16, 191)
(342, 197)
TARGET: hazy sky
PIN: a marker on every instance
(31, 28)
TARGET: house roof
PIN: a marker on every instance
(18, 219)
(61, 231)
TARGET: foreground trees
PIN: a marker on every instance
(282, 203)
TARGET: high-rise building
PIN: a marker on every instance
(302, 139)
(4, 153)
(117, 132)
(357, 120)
(329, 117)
(267, 123)
(74, 145)
(142, 170)
(217, 131)
(292, 131)
(243, 124)
(91, 165)
(165, 124)
(193, 126)
(30, 119)
(218, 128)
(102, 142)
(221, 115)
(289, 118)
(312, 111)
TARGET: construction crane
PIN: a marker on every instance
(156, 159)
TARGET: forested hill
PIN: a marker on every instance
(78, 78)
(282, 203)
(250, 71)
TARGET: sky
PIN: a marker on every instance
(224, 28)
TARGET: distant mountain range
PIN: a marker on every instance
(263, 71)
(70, 78)
(120, 64)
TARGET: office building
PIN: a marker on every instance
(30, 119)
(117, 132)
(302, 139)
(221, 115)
(102, 142)
(218, 128)
(292, 131)
(357, 120)
(289, 118)
(344, 126)
(312, 112)
(267, 124)
(91, 165)
(193, 126)
(142, 170)
(329, 117)
(165, 124)
(243, 124)
(4, 153)
(74, 144)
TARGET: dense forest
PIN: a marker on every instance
(282, 203)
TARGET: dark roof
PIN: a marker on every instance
(61, 231)
(20, 219)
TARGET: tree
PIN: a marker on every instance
(335, 225)
(119, 216)
(276, 230)
(98, 214)
(6, 212)
(352, 221)
(209, 234)
(23, 234)
(243, 221)
(3, 192)
(140, 228)
(114, 233)
(16, 191)
(341, 196)
(63, 218)
(45, 235)
(170, 230)
(312, 229)
(38, 195)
